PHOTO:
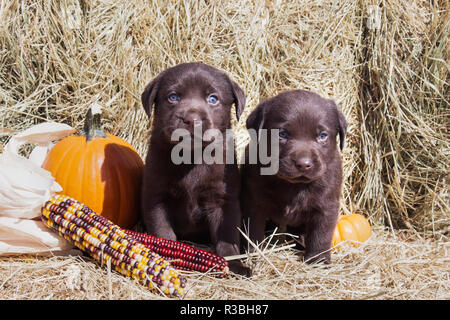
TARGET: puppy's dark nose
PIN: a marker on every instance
(304, 163)
(191, 119)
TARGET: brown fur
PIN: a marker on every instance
(304, 194)
(191, 201)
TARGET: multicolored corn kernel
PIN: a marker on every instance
(182, 256)
(105, 241)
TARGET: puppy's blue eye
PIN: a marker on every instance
(173, 97)
(323, 136)
(283, 134)
(213, 99)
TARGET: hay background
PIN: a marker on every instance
(390, 80)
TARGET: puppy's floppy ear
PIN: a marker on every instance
(256, 118)
(342, 124)
(149, 95)
(239, 98)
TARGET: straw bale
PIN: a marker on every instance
(384, 62)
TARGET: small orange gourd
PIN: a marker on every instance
(101, 170)
(352, 228)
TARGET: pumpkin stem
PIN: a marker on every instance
(92, 123)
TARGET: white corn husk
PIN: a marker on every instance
(24, 188)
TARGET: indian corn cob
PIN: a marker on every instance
(182, 256)
(105, 241)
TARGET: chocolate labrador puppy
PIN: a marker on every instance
(304, 194)
(192, 199)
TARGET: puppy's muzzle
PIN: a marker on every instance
(192, 120)
(301, 167)
(303, 164)
(196, 122)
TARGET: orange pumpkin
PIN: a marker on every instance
(100, 170)
(353, 228)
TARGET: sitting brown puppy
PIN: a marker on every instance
(304, 193)
(193, 200)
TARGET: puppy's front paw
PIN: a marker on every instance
(238, 267)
